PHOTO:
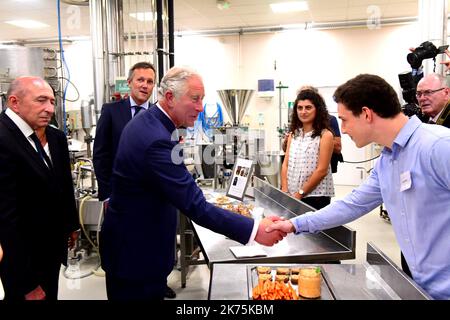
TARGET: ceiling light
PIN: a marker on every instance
(28, 24)
(295, 26)
(292, 6)
(77, 2)
(142, 16)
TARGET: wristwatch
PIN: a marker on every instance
(301, 192)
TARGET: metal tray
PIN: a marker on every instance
(327, 291)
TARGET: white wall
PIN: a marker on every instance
(78, 56)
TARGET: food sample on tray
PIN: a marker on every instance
(263, 269)
(283, 270)
(295, 270)
(305, 282)
(282, 278)
(241, 208)
(268, 290)
(294, 278)
(264, 277)
(221, 200)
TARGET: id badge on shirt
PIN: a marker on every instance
(405, 180)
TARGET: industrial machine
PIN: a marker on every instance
(17, 61)
(232, 140)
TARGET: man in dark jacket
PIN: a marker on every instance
(37, 204)
(149, 183)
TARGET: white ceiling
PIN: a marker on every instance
(196, 15)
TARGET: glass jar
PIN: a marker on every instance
(309, 282)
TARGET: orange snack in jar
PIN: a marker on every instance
(309, 281)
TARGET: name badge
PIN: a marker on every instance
(405, 181)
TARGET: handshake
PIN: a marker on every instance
(273, 229)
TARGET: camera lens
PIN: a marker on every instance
(414, 60)
(426, 50)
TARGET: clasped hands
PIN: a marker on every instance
(272, 229)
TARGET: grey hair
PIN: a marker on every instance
(175, 81)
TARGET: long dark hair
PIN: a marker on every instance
(321, 121)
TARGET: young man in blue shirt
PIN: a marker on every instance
(412, 179)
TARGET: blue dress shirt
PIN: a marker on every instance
(413, 181)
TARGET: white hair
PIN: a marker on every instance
(175, 81)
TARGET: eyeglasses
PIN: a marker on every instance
(427, 93)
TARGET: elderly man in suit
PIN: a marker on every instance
(37, 204)
(114, 117)
(149, 183)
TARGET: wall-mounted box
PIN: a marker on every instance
(266, 88)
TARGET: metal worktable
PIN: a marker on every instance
(376, 279)
(329, 245)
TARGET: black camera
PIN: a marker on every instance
(426, 50)
(408, 85)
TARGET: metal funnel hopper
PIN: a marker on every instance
(235, 102)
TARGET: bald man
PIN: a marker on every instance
(433, 96)
(37, 205)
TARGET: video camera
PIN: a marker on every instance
(426, 50)
(409, 85)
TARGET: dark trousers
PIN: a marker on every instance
(317, 202)
(405, 267)
(47, 277)
(119, 289)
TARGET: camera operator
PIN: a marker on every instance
(432, 92)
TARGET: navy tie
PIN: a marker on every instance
(137, 109)
(41, 151)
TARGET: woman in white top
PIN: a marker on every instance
(306, 171)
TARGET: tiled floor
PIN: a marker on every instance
(368, 228)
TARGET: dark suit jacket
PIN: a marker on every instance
(444, 118)
(149, 183)
(112, 120)
(37, 206)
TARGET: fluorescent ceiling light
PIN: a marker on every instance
(142, 16)
(292, 6)
(28, 24)
(294, 26)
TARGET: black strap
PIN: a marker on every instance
(41, 151)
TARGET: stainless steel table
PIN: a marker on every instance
(330, 245)
(377, 279)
